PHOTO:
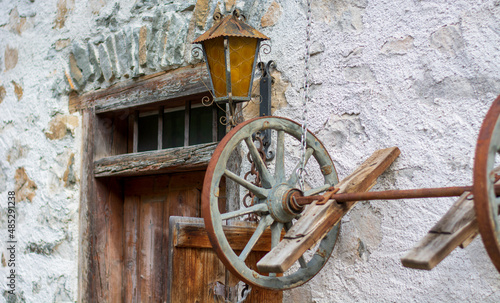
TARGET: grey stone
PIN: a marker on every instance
(82, 60)
(107, 70)
(111, 46)
(397, 46)
(162, 47)
(448, 39)
(128, 32)
(42, 248)
(359, 74)
(176, 42)
(451, 88)
(153, 40)
(63, 291)
(246, 7)
(59, 87)
(109, 19)
(75, 72)
(142, 5)
(137, 69)
(122, 53)
(317, 48)
(147, 18)
(94, 61)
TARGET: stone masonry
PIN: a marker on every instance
(419, 75)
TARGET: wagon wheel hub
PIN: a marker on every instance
(281, 203)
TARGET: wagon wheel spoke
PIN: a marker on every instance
(263, 224)
(279, 173)
(256, 190)
(295, 177)
(245, 211)
(276, 233)
(266, 178)
(276, 228)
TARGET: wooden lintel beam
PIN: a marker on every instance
(150, 89)
(153, 162)
(318, 220)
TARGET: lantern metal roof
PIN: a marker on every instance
(231, 26)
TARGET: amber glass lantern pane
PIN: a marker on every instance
(214, 49)
(241, 55)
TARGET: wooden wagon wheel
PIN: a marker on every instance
(486, 203)
(269, 202)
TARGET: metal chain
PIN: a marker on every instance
(253, 172)
(303, 137)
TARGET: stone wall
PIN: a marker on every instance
(419, 75)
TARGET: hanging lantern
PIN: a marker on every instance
(231, 49)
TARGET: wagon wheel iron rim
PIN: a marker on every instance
(486, 204)
(274, 187)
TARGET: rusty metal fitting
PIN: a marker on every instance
(290, 201)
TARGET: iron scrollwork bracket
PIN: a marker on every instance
(266, 82)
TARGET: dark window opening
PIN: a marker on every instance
(200, 126)
(177, 127)
(147, 133)
(173, 129)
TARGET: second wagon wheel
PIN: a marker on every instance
(269, 203)
(486, 202)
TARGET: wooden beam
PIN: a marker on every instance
(150, 89)
(194, 235)
(457, 226)
(86, 262)
(153, 162)
(318, 220)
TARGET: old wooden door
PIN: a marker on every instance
(195, 272)
(149, 202)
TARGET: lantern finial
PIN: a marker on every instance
(230, 48)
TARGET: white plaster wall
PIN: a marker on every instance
(419, 75)
(47, 226)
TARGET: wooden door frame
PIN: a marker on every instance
(101, 204)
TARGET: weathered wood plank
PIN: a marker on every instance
(103, 213)
(151, 219)
(154, 162)
(174, 84)
(114, 245)
(318, 220)
(86, 251)
(195, 235)
(457, 226)
(131, 234)
(195, 272)
(108, 234)
(185, 202)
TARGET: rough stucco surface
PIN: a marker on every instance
(419, 75)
